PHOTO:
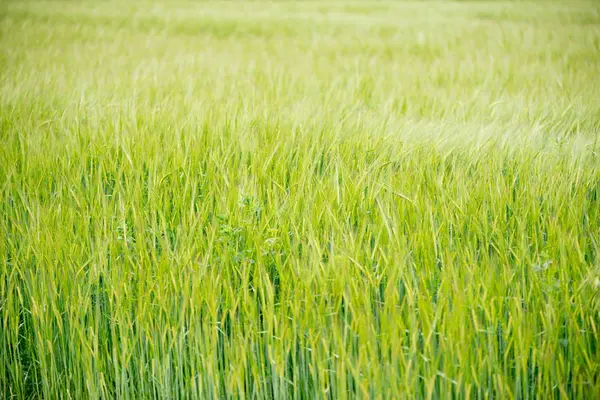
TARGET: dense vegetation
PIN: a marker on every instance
(317, 200)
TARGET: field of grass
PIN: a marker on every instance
(299, 200)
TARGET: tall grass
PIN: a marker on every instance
(314, 200)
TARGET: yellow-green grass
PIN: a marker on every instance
(307, 200)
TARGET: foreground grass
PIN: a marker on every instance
(318, 200)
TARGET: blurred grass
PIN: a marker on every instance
(311, 200)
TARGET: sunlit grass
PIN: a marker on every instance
(314, 200)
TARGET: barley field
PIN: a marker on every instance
(307, 200)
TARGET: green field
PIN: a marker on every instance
(376, 200)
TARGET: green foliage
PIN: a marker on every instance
(312, 200)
